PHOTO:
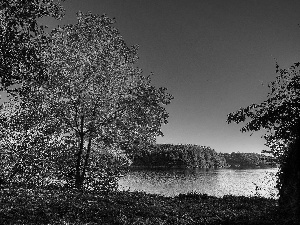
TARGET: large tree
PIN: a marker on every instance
(21, 40)
(279, 116)
(94, 97)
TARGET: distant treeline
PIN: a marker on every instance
(186, 156)
(195, 156)
(249, 160)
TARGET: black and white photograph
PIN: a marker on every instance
(135, 112)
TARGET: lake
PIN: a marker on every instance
(216, 182)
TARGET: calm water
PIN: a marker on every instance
(217, 182)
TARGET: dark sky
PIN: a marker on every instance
(213, 56)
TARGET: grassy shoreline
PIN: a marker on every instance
(39, 206)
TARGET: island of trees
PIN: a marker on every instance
(196, 156)
(186, 156)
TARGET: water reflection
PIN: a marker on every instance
(217, 182)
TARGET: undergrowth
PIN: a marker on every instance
(41, 206)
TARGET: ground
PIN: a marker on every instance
(41, 206)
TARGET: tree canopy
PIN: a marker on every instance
(279, 114)
(21, 39)
(94, 98)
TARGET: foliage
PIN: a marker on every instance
(27, 155)
(32, 158)
(95, 101)
(249, 160)
(168, 155)
(21, 39)
(267, 186)
(279, 116)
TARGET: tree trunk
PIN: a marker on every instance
(87, 158)
(78, 175)
(289, 178)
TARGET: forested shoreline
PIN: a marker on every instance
(196, 156)
(249, 160)
(168, 155)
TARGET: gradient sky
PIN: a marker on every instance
(213, 56)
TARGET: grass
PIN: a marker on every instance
(40, 206)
